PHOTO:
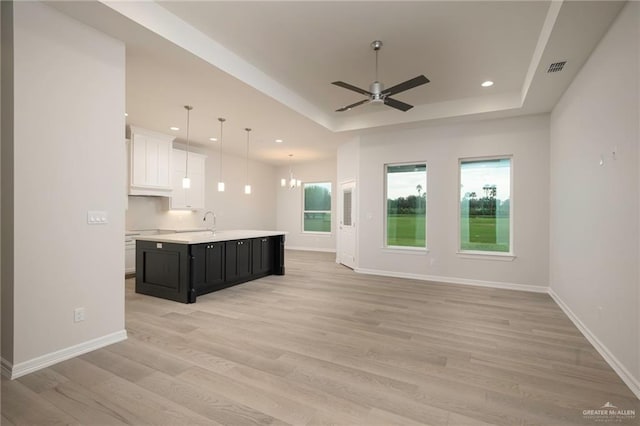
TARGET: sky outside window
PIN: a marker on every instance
(402, 181)
(476, 175)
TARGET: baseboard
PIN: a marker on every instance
(324, 250)
(455, 280)
(13, 371)
(621, 370)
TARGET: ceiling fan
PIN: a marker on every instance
(377, 94)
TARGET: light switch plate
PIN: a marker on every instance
(97, 217)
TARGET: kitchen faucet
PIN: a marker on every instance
(204, 219)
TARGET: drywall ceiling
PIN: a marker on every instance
(268, 65)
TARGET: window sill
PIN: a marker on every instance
(317, 234)
(416, 251)
(483, 255)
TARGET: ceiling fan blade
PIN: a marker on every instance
(409, 84)
(351, 87)
(397, 104)
(348, 107)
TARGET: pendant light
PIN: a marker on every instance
(220, 182)
(186, 182)
(247, 187)
(292, 182)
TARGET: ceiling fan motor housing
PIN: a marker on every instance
(376, 88)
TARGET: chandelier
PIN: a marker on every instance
(291, 182)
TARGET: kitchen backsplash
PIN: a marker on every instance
(154, 213)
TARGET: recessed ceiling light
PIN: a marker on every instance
(126, 115)
(278, 140)
(174, 128)
(487, 83)
(213, 139)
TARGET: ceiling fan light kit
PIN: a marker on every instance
(377, 94)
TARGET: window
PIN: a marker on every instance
(316, 215)
(485, 205)
(406, 195)
(347, 198)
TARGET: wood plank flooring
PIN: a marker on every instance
(324, 345)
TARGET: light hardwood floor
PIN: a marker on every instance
(324, 345)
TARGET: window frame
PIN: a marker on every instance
(489, 255)
(330, 211)
(406, 249)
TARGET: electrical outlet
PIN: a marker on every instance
(78, 314)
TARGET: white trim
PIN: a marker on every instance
(13, 371)
(416, 251)
(160, 191)
(618, 367)
(456, 280)
(325, 250)
(146, 132)
(483, 255)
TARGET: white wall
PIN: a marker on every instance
(525, 138)
(348, 160)
(289, 205)
(68, 159)
(594, 208)
(6, 220)
(234, 209)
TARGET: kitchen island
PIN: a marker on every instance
(182, 266)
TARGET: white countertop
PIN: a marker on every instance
(175, 230)
(200, 237)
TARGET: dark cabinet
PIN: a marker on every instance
(182, 272)
(261, 252)
(237, 260)
(162, 270)
(207, 269)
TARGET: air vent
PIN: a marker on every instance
(556, 66)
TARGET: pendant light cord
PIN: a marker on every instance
(248, 130)
(186, 163)
(221, 120)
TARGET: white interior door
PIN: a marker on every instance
(347, 225)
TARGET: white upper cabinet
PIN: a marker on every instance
(150, 163)
(188, 198)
